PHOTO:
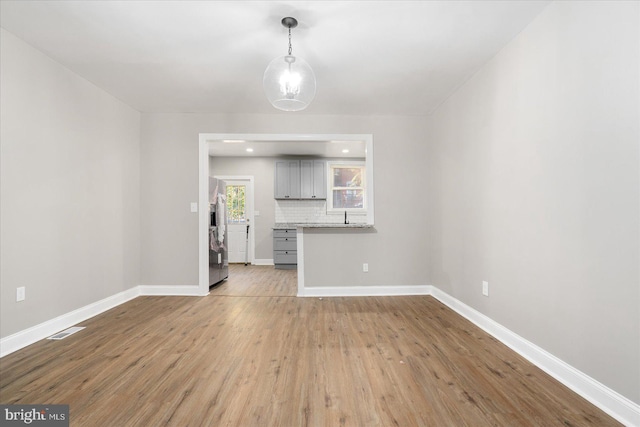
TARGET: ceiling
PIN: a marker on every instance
(370, 57)
(314, 148)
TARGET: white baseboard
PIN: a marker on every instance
(363, 291)
(31, 335)
(262, 262)
(611, 402)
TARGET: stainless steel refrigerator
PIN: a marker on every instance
(218, 233)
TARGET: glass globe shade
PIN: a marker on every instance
(289, 83)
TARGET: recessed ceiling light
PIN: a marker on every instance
(249, 150)
(346, 150)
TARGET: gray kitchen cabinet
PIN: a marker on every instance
(287, 179)
(285, 249)
(313, 181)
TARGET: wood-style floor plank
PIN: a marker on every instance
(252, 354)
(257, 281)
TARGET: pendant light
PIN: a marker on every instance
(288, 81)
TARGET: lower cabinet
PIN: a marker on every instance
(285, 254)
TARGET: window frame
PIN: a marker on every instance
(228, 205)
(330, 187)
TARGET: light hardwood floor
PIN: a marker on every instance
(251, 354)
(257, 281)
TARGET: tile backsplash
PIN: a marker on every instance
(311, 211)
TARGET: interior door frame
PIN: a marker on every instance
(249, 207)
(205, 139)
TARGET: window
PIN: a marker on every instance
(236, 204)
(347, 190)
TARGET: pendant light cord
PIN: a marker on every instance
(289, 40)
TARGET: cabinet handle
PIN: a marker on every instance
(286, 239)
(286, 252)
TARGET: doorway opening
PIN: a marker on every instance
(240, 218)
(318, 145)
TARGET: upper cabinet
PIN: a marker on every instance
(313, 180)
(287, 179)
(300, 179)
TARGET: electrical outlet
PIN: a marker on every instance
(365, 267)
(20, 294)
(485, 288)
(194, 206)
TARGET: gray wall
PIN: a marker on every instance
(396, 248)
(170, 182)
(261, 168)
(534, 186)
(70, 211)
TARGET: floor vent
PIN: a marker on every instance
(62, 335)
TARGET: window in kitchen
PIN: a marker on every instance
(347, 190)
(236, 204)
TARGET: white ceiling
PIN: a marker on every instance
(370, 57)
(334, 149)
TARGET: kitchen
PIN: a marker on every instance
(290, 179)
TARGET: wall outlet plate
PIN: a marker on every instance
(194, 206)
(365, 268)
(21, 294)
(485, 288)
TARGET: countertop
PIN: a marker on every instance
(283, 226)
